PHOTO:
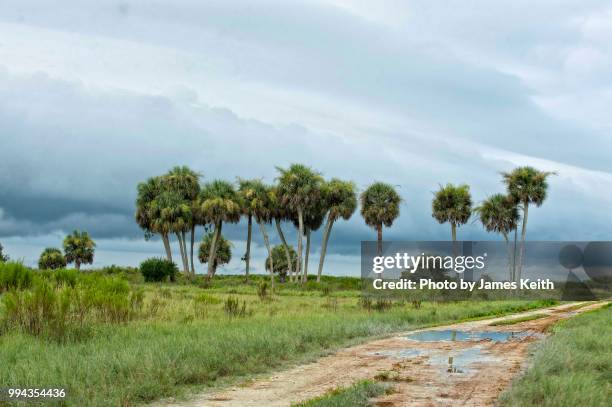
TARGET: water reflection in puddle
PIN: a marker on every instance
(451, 335)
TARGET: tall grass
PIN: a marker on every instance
(183, 347)
(571, 368)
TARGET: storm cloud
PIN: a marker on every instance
(95, 99)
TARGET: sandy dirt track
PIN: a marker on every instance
(421, 373)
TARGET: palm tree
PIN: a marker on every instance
(280, 214)
(172, 214)
(79, 248)
(299, 188)
(313, 219)
(452, 204)
(380, 206)
(526, 185)
(246, 191)
(224, 251)
(499, 213)
(186, 183)
(219, 203)
(147, 193)
(51, 259)
(260, 203)
(340, 201)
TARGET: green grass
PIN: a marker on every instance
(518, 320)
(182, 339)
(571, 368)
(357, 395)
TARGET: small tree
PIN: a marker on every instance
(156, 269)
(79, 249)
(51, 259)
(224, 251)
(3, 257)
(279, 260)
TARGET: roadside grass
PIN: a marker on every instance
(571, 368)
(357, 395)
(513, 321)
(184, 338)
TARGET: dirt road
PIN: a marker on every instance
(466, 364)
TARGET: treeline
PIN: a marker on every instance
(176, 203)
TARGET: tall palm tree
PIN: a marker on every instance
(452, 204)
(260, 202)
(280, 214)
(185, 182)
(246, 191)
(172, 214)
(341, 201)
(299, 188)
(499, 214)
(147, 193)
(526, 185)
(380, 206)
(313, 219)
(79, 248)
(219, 203)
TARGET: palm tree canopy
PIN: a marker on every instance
(171, 213)
(224, 250)
(452, 204)
(147, 192)
(257, 199)
(527, 185)
(220, 202)
(499, 213)
(380, 204)
(79, 247)
(184, 181)
(298, 187)
(51, 258)
(340, 198)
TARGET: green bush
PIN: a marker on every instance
(51, 259)
(156, 269)
(65, 277)
(14, 275)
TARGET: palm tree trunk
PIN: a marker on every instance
(167, 246)
(212, 254)
(523, 235)
(191, 250)
(247, 255)
(454, 237)
(379, 232)
(286, 246)
(307, 254)
(77, 264)
(514, 255)
(509, 253)
(326, 233)
(179, 237)
(267, 242)
(300, 233)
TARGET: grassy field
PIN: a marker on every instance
(571, 368)
(134, 343)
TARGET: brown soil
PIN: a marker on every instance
(419, 372)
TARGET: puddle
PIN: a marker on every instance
(460, 361)
(451, 335)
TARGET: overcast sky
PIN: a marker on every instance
(97, 96)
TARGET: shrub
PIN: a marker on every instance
(262, 290)
(3, 257)
(157, 269)
(224, 250)
(51, 259)
(233, 309)
(280, 260)
(14, 275)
